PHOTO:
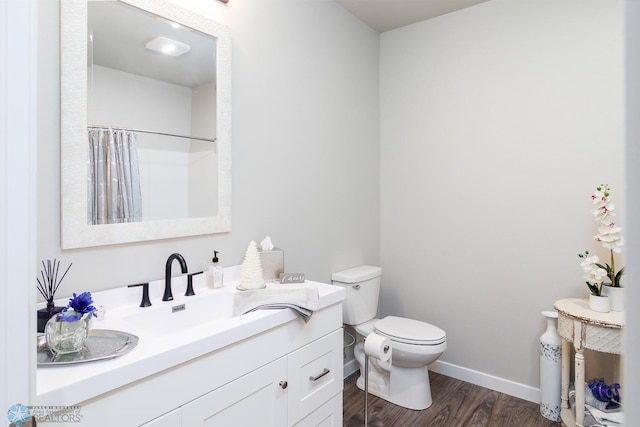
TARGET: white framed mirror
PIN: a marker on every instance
(170, 118)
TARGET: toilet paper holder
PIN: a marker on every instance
(360, 420)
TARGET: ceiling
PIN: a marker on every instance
(385, 15)
(122, 46)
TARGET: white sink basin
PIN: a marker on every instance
(184, 314)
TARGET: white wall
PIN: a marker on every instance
(632, 157)
(131, 101)
(203, 111)
(126, 100)
(305, 147)
(164, 176)
(18, 113)
(203, 167)
(497, 122)
(203, 164)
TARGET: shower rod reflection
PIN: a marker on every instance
(154, 132)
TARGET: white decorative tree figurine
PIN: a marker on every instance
(251, 269)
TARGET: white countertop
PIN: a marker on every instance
(68, 385)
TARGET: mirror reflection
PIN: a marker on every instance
(151, 101)
(177, 119)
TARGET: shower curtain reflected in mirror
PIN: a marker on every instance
(113, 188)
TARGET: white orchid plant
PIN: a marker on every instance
(610, 237)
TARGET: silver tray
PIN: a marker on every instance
(100, 344)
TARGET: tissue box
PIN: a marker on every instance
(272, 263)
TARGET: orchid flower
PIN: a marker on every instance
(609, 235)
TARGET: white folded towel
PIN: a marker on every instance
(278, 296)
(606, 419)
(302, 312)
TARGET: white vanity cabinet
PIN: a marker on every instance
(287, 375)
(282, 393)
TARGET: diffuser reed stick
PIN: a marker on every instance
(50, 282)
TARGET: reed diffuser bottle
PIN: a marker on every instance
(47, 288)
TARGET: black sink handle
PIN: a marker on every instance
(190, 291)
(146, 302)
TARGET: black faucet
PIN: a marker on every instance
(167, 275)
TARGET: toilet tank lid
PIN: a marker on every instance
(357, 274)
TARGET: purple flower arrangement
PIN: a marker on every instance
(78, 306)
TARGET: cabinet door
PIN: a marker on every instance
(256, 399)
(171, 419)
(315, 375)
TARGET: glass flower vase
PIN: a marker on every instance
(66, 337)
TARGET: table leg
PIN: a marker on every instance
(566, 357)
(617, 366)
(579, 385)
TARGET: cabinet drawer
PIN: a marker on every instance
(328, 415)
(315, 375)
(171, 419)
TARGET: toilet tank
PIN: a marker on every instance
(363, 287)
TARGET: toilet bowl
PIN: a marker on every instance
(406, 383)
(414, 344)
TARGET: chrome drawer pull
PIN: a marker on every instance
(324, 372)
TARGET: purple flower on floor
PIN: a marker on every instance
(78, 306)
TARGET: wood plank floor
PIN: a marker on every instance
(455, 404)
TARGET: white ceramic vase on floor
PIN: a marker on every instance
(550, 368)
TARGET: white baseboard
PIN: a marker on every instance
(350, 367)
(492, 382)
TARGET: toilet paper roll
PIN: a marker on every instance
(377, 346)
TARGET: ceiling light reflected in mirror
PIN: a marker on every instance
(168, 46)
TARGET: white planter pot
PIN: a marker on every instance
(600, 304)
(616, 297)
(550, 368)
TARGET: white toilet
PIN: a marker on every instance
(414, 344)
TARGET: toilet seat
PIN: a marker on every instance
(366, 328)
(410, 331)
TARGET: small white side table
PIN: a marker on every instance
(585, 328)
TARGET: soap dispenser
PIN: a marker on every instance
(215, 272)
